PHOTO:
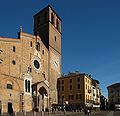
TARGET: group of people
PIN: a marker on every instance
(87, 111)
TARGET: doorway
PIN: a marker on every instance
(43, 93)
(9, 107)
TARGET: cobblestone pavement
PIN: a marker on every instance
(94, 113)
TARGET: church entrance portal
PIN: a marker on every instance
(40, 97)
(44, 98)
(10, 109)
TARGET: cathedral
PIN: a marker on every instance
(30, 65)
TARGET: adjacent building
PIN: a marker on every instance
(113, 95)
(79, 90)
(31, 64)
(95, 94)
(103, 103)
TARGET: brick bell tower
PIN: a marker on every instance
(48, 25)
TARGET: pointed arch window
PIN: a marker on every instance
(27, 86)
(14, 49)
(31, 44)
(38, 46)
(52, 18)
(57, 24)
(55, 39)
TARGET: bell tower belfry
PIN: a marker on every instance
(47, 25)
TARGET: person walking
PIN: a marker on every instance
(87, 112)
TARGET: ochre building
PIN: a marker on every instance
(78, 90)
(31, 64)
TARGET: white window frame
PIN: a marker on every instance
(27, 77)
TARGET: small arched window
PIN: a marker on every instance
(25, 85)
(13, 62)
(31, 44)
(9, 85)
(52, 18)
(43, 52)
(28, 86)
(13, 48)
(55, 38)
(38, 46)
(57, 24)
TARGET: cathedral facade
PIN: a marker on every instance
(31, 64)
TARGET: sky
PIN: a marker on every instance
(90, 33)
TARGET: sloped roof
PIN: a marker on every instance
(114, 85)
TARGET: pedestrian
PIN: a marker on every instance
(85, 111)
(64, 110)
(88, 112)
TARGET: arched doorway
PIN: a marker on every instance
(44, 98)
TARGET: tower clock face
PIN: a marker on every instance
(55, 62)
(36, 63)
